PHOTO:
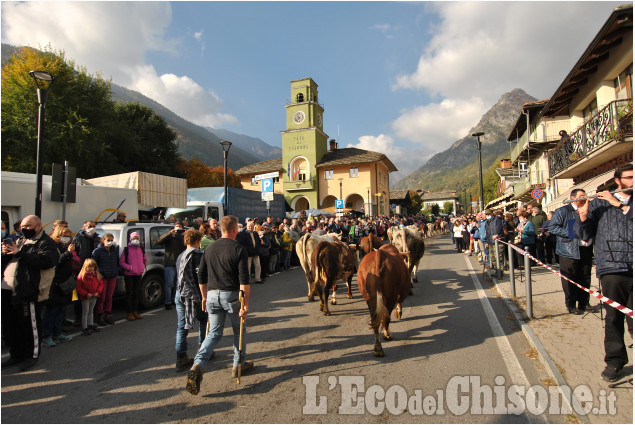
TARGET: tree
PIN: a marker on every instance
(415, 203)
(448, 207)
(83, 125)
(434, 209)
(199, 174)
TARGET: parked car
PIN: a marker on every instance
(152, 281)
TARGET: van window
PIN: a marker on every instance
(156, 233)
(212, 212)
(190, 213)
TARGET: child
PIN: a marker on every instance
(133, 261)
(90, 284)
(107, 257)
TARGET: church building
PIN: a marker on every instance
(313, 172)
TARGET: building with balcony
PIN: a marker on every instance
(577, 138)
(311, 174)
(440, 198)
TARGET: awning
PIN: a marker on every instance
(589, 186)
(495, 202)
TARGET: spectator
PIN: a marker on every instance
(538, 218)
(576, 255)
(133, 261)
(494, 231)
(17, 234)
(527, 233)
(214, 230)
(172, 241)
(28, 268)
(273, 240)
(263, 251)
(550, 242)
(457, 231)
(89, 287)
(58, 298)
(85, 241)
(188, 298)
(609, 219)
(121, 218)
(107, 257)
(56, 224)
(287, 246)
(250, 240)
(207, 238)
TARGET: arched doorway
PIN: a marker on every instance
(354, 201)
(328, 201)
(300, 203)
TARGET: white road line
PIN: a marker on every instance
(514, 368)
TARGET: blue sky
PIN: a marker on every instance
(404, 78)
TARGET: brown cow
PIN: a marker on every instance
(330, 262)
(365, 244)
(384, 281)
(304, 248)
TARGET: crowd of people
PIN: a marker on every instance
(46, 276)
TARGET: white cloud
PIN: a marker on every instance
(113, 38)
(406, 160)
(436, 125)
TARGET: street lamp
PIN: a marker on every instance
(480, 167)
(42, 91)
(226, 145)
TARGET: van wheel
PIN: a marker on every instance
(152, 291)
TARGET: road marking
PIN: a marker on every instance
(514, 368)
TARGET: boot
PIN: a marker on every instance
(183, 362)
(130, 317)
(102, 320)
(137, 315)
(109, 318)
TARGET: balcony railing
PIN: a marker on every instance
(546, 131)
(298, 185)
(613, 122)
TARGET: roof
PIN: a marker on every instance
(611, 34)
(398, 194)
(346, 156)
(261, 167)
(532, 108)
(433, 196)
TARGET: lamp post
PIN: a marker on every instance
(480, 167)
(226, 145)
(42, 93)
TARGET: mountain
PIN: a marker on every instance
(194, 141)
(261, 150)
(457, 167)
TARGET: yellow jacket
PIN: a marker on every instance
(286, 238)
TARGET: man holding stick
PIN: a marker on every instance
(222, 274)
(609, 219)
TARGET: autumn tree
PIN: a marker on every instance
(415, 203)
(199, 174)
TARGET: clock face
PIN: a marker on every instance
(298, 117)
(319, 119)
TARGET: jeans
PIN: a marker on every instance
(170, 274)
(104, 303)
(181, 332)
(286, 259)
(52, 321)
(273, 263)
(219, 305)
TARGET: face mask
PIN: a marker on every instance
(4, 233)
(135, 242)
(28, 233)
(178, 228)
(488, 217)
(65, 239)
(261, 234)
(90, 231)
(108, 243)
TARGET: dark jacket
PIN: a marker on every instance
(613, 233)
(33, 256)
(107, 260)
(271, 239)
(173, 245)
(63, 271)
(567, 245)
(85, 244)
(493, 227)
(244, 239)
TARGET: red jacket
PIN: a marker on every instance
(89, 285)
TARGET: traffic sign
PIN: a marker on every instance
(339, 204)
(267, 196)
(537, 194)
(266, 176)
(267, 185)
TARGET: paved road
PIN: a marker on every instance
(309, 368)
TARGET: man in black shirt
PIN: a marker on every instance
(222, 273)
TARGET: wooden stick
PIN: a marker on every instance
(241, 297)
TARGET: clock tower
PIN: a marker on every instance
(303, 145)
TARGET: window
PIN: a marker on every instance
(590, 110)
(254, 182)
(300, 98)
(354, 172)
(624, 84)
(380, 179)
(522, 169)
(155, 234)
(299, 169)
(212, 212)
(328, 174)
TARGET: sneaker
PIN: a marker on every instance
(611, 373)
(94, 328)
(194, 378)
(86, 332)
(48, 342)
(249, 364)
(62, 338)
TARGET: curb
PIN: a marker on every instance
(544, 356)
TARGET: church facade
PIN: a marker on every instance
(313, 172)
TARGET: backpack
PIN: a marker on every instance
(125, 256)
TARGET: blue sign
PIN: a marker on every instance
(267, 185)
(339, 204)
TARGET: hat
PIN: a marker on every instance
(488, 212)
(133, 235)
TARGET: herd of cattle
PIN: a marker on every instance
(385, 274)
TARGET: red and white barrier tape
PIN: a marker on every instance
(627, 311)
